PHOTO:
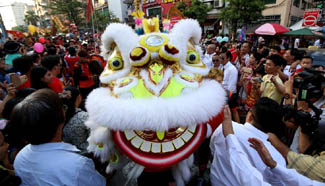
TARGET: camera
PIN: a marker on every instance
(305, 120)
(310, 84)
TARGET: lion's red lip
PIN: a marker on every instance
(156, 154)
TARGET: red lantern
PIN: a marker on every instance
(42, 40)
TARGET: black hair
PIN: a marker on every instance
(294, 52)
(223, 49)
(72, 51)
(307, 57)
(70, 102)
(23, 64)
(257, 56)
(50, 62)
(51, 50)
(35, 57)
(265, 53)
(38, 116)
(35, 77)
(268, 115)
(228, 54)
(260, 70)
(277, 48)
(276, 59)
(261, 45)
(83, 53)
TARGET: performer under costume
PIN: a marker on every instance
(154, 104)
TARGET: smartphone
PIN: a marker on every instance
(14, 79)
(17, 80)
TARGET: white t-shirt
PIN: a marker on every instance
(317, 43)
(296, 44)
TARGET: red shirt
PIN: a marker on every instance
(71, 60)
(56, 85)
(25, 85)
(234, 54)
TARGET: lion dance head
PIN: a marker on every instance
(155, 103)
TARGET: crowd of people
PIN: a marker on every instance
(276, 99)
(273, 99)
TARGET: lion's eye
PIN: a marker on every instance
(116, 63)
(192, 57)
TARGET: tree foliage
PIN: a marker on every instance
(73, 10)
(102, 19)
(241, 12)
(196, 9)
(20, 28)
(31, 17)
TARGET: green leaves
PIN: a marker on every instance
(72, 9)
(31, 17)
(239, 12)
(195, 10)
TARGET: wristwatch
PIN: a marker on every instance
(287, 96)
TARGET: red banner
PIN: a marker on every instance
(311, 17)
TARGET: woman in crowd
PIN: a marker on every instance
(75, 130)
(40, 78)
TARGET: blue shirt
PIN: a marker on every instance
(55, 164)
(10, 57)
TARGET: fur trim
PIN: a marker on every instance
(182, 171)
(118, 74)
(99, 135)
(156, 113)
(187, 29)
(135, 172)
(183, 32)
(124, 37)
(156, 89)
(193, 84)
(119, 90)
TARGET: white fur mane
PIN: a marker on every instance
(156, 113)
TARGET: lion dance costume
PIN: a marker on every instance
(155, 105)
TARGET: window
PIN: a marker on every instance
(270, 19)
(153, 12)
(217, 3)
(269, 1)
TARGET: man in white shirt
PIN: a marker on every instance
(230, 72)
(265, 117)
(47, 161)
(207, 58)
(245, 173)
(291, 56)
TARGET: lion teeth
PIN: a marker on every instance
(137, 142)
(163, 147)
(167, 147)
(178, 142)
(186, 136)
(192, 129)
(146, 146)
(129, 134)
(156, 147)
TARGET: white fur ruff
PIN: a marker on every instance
(156, 113)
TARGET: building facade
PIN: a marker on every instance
(285, 12)
(153, 8)
(13, 12)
